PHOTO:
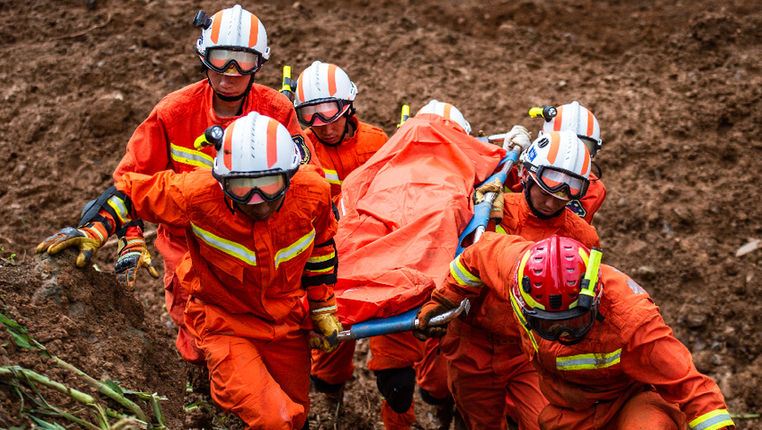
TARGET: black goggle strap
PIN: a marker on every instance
(589, 282)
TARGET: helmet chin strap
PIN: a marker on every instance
(529, 184)
(231, 98)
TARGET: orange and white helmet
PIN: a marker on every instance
(559, 163)
(256, 158)
(233, 41)
(575, 117)
(324, 93)
(446, 110)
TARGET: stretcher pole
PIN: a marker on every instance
(398, 323)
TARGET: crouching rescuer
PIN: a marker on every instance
(604, 355)
(259, 231)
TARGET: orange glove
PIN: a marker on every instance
(133, 255)
(88, 239)
(438, 305)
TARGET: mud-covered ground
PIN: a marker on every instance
(676, 87)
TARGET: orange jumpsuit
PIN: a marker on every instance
(340, 160)
(245, 281)
(164, 141)
(482, 364)
(629, 372)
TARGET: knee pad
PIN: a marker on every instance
(397, 386)
(324, 387)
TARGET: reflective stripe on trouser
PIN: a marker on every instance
(172, 251)
(259, 371)
(431, 371)
(480, 375)
(395, 351)
(334, 367)
(634, 409)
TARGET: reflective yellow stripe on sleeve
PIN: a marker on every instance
(499, 229)
(463, 276)
(294, 249)
(190, 156)
(320, 259)
(332, 176)
(712, 421)
(228, 247)
(120, 208)
(588, 361)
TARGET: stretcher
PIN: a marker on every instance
(404, 215)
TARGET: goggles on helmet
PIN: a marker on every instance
(553, 325)
(249, 190)
(232, 59)
(321, 112)
(593, 145)
(559, 182)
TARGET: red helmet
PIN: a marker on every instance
(557, 289)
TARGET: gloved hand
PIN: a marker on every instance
(496, 214)
(323, 314)
(329, 326)
(518, 136)
(133, 255)
(438, 305)
(88, 239)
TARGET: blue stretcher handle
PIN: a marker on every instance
(482, 210)
(399, 323)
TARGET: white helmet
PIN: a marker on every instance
(559, 163)
(256, 158)
(323, 94)
(233, 41)
(572, 116)
(446, 110)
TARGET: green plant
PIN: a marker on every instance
(17, 377)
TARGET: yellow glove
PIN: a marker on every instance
(498, 205)
(88, 239)
(329, 326)
(133, 254)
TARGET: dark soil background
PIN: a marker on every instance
(676, 87)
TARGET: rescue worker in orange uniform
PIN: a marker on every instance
(573, 116)
(484, 366)
(605, 358)
(232, 48)
(325, 104)
(259, 231)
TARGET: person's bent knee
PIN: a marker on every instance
(397, 386)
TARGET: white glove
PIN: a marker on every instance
(518, 136)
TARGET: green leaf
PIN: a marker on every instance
(20, 336)
(46, 425)
(114, 385)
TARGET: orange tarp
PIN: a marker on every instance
(401, 214)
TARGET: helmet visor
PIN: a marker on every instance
(552, 329)
(560, 183)
(253, 190)
(321, 113)
(231, 61)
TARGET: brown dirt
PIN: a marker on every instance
(676, 86)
